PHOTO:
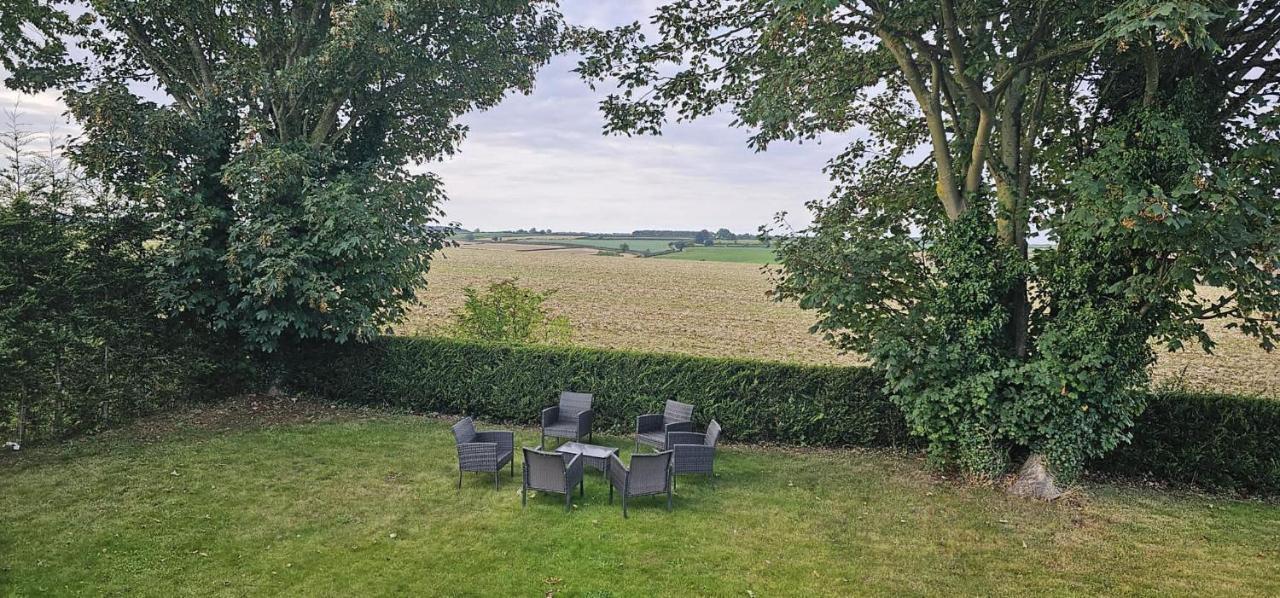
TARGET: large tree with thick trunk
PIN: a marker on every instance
(276, 150)
(1138, 138)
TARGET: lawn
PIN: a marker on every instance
(365, 504)
(744, 255)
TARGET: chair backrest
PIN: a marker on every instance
(464, 431)
(649, 472)
(677, 412)
(574, 402)
(546, 470)
(713, 433)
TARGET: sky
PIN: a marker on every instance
(541, 160)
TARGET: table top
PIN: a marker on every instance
(586, 450)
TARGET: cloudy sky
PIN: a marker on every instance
(541, 160)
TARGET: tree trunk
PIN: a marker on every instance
(1035, 480)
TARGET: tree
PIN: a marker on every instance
(32, 46)
(704, 237)
(82, 342)
(509, 313)
(624, 247)
(277, 161)
(725, 234)
(1133, 133)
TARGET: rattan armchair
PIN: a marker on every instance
(483, 451)
(652, 428)
(648, 475)
(694, 452)
(551, 472)
(572, 418)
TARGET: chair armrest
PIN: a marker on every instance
(471, 454)
(678, 427)
(550, 415)
(678, 438)
(585, 419)
(505, 440)
(573, 471)
(650, 422)
(617, 472)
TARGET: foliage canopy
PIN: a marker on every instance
(1139, 137)
(278, 158)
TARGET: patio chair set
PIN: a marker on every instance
(678, 450)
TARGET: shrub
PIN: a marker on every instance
(755, 401)
(509, 313)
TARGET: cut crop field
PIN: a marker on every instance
(720, 309)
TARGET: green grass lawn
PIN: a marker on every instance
(366, 505)
(751, 255)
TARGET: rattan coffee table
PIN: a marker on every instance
(592, 455)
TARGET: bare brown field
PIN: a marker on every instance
(720, 309)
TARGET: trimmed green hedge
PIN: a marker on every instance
(1215, 441)
(1219, 442)
(754, 401)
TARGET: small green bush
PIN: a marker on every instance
(509, 313)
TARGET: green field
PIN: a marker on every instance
(366, 504)
(746, 255)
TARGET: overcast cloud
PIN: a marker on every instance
(541, 160)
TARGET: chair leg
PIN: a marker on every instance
(669, 488)
(459, 477)
(542, 442)
(524, 495)
(582, 486)
(495, 479)
(624, 506)
(513, 467)
(610, 492)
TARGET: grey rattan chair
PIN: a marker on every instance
(648, 475)
(694, 452)
(551, 472)
(572, 418)
(652, 428)
(483, 451)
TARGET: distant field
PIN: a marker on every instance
(743, 255)
(720, 309)
(632, 244)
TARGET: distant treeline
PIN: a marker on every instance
(669, 234)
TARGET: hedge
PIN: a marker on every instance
(108, 386)
(1214, 441)
(754, 401)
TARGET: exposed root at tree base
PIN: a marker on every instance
(1034, 480)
